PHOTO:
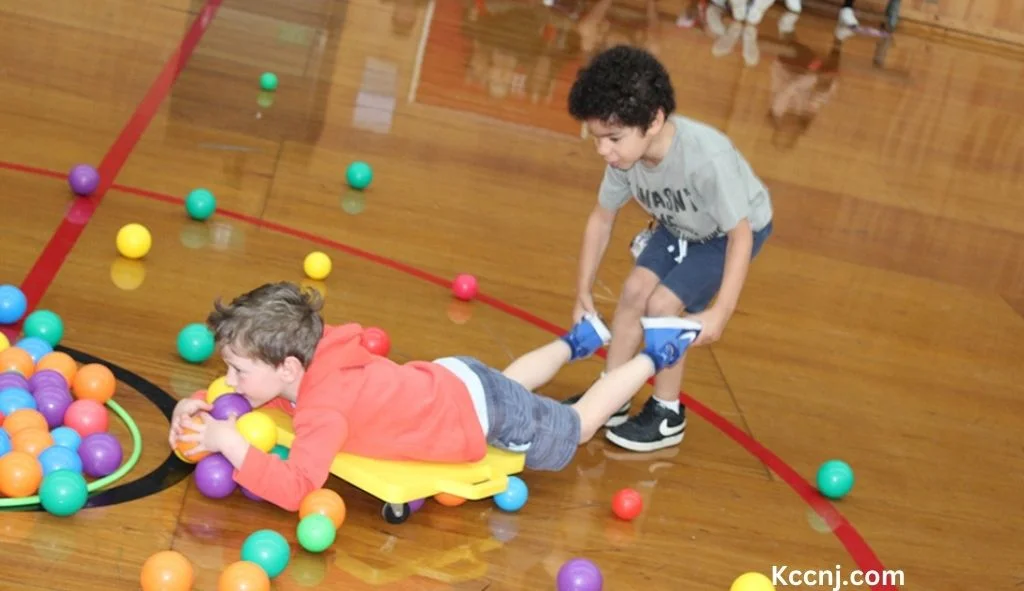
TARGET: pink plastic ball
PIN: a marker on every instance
(86, 417)
(464, 287)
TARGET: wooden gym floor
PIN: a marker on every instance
(882, 324)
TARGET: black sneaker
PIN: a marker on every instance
(615, 420)
(654, 427)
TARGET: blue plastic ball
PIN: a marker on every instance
(5, 442)
(57, 457)
(12, 304)
(35, 347)
(12, 399)
(66, 437)
(514, 497)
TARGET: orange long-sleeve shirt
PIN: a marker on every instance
(354, 401)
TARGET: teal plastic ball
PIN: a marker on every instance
(316, 532)
(63, 492)
(195, 343)
(268, 81)
(200, 204)
(359, 175)
(269, 550)
(45, 325)
(835, 479)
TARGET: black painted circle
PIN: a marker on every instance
(170, 472)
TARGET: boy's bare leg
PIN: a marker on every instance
(537, 367)
(609, 393)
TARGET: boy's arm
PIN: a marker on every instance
(721, 183)
(614, 193)
(319, 435)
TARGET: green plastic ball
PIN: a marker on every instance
(268, 81)
(316, 532)
(45, 325)
(835, 479)
(200, 204)
(63, 492)
(195, 343)
(359, 175)
(269, 550)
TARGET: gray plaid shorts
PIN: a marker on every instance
(518, 420)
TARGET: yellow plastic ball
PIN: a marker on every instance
(752, 582)
(134, 241)
(317, 265)
(217, 388)
(258, 429)
(4, 343)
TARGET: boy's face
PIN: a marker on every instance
(258, 381)
(621, 147)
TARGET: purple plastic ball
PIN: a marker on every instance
(51, 390)
(416, 505)
(213, 476)
(579, 574)
(47, 377)
(13, 379)
(230, 404)
(249, 495)
(101, 454)
(53, 405)
(83, 179)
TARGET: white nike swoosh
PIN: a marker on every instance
(667, 431)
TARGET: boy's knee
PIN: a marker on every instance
(664, 303)
(637, 291)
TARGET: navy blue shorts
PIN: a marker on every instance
(697, 278)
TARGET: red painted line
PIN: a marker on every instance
(859, 550)
(63, 239)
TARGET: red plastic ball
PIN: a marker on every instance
(464, 287)
(376, 341)
(627, 504)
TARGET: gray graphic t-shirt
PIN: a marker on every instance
(700, 190)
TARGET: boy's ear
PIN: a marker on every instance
(657, 124)
(291, 368)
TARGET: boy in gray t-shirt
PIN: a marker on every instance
(713, 215)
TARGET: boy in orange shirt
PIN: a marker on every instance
(341, 397)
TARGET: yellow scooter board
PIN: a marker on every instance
(397, 483)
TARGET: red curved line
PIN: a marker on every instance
(857, 547)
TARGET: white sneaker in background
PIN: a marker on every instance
(787, 22)
(848, 18)
(794, 6)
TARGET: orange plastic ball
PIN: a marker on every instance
(94, 382)
(32, 440)
(25, 418)
(60, 362)
(183, 447)
(449, 500)
(167, 571)
(16, 359)
(325, 502)
(243, 576)
(20, 474)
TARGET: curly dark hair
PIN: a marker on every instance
(624, 86)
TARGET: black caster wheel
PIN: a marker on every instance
(395, 513)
